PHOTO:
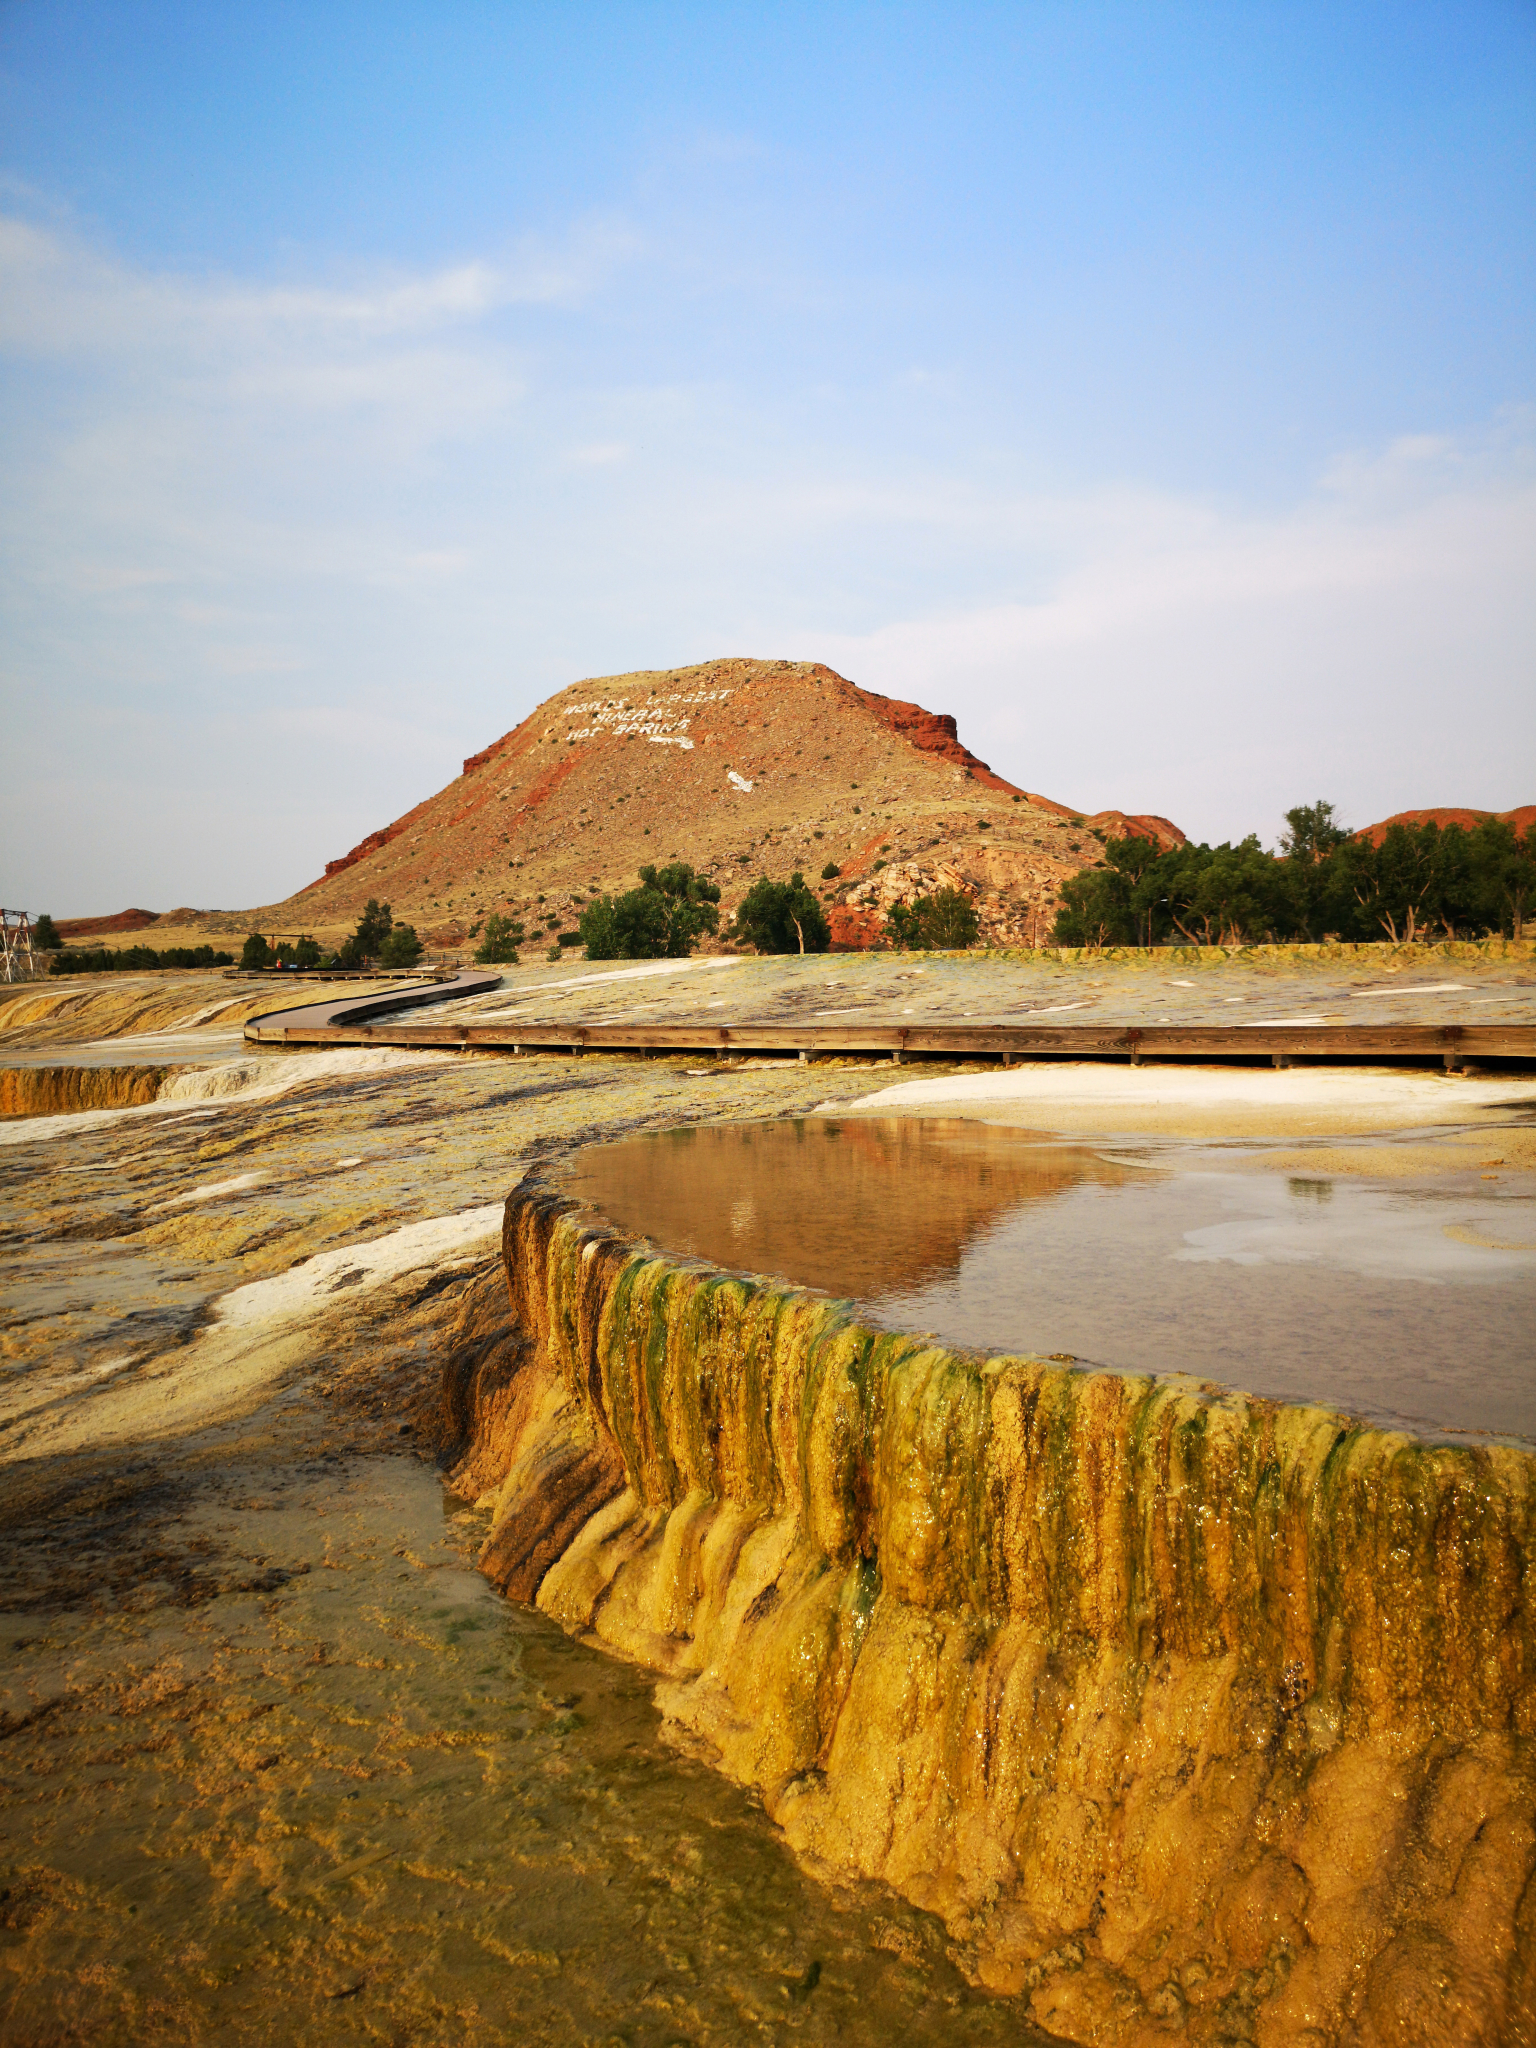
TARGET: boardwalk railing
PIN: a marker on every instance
(1455, 1045)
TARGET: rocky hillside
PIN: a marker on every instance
(1522, 818)
(741, 767)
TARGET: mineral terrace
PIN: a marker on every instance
(430, 1615)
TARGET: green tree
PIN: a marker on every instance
(634, 926)
(946, 921)
(831, 871)
(782, 917)
(1503, 868)
(102, 960)
(903, 928)
(1123, 900)
(401, 947)
(255, 953)
(1398, 890)
(599, 930)
(663, 919)
(502, 938)
(1233, 901)
(306, 953)
(1096, 909)
(692, 905)
(45, 935)
(1312, 832)
(642, 924)
(367, 942)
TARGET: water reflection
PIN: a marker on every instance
(854, 1208)
(1411, 1303)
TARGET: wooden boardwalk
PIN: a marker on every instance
(372, 1021)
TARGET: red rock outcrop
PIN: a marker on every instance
(1522, 818)
(1163, 833)
(359, 852)
(934, 732)
(69, 928)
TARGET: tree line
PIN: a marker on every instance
(674, 906)
(1423, 881)
(46, 938)
(665, 917)
(132, 959)
(1324, 883)
(377, 941)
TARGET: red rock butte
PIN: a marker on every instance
(741, 767)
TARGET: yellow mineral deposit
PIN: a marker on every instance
(1187, 1712)
(59, 1091)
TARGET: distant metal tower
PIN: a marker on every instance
(16, 945)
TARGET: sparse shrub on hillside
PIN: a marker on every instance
(255, 953)
(45, 935)
(831, 871)
(502, 938)
(782, 917)
(663, 919)
(401, 948)
(945, 921)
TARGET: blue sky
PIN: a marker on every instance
(1150, 386)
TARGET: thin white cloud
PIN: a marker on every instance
(372, 523)
(1373, 638)
(599, 454)
(61, 296)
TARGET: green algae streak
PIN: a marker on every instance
(1190, 1713)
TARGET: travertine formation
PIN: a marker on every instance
(1191, 1715)
(58, 1091)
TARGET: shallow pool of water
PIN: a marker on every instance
(1411, 1302)
(293, 1773)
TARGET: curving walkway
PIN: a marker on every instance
(342, 1012)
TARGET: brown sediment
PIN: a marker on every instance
(1190, 1713)
(58, 1091)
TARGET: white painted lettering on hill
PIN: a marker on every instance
(617, 715)
(738, 781)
